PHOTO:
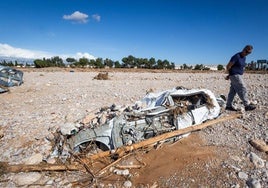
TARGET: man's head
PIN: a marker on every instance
(247, 50)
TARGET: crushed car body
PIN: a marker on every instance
(155, 114)
(9, 77)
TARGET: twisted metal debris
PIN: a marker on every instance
(9, 77)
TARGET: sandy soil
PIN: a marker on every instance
(48, 99)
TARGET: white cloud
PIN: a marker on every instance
(96, 17)
(84, 55)
(10, 51)
(77, 17)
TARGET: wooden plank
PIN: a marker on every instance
(6, 168)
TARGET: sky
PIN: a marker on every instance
(188, 32)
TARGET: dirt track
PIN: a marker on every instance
(218, 156)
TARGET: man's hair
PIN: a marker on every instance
(248, 47)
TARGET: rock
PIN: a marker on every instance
(51, 160)
(34, 159)
(50, 182)
(266, 115)
(69, 128)
(253, 183)
(127, 184)
(26, 178)
(242, 175)
(50, 137)
(18, 152)
(257, 161)
(236, 158)
(121, 172)
(88, 118)
(1, 133)
(125, 172)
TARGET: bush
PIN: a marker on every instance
(220, 67)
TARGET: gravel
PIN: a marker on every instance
(47, 100)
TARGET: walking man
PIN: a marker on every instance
(235, 69)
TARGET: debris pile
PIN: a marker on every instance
(221, 150)
(9, 77)
(157, 113)
(115, 131)
(102, 76)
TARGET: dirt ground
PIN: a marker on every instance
(175, 158)
(188, 162)
(48, 98)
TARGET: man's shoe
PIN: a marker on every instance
(250, 107)
(230, 108)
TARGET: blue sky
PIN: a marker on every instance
(180, 31)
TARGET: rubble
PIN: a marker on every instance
(155, 114)
(196, 161)
(128, 127)
(9, 77)
(102, 76)
(114, 127)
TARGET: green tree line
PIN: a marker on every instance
(127, 62)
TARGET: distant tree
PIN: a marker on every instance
(151, 63)
(124, 64)
(166, 64)
(172, 66)
(184, 66)
(83, 62)
(108, 62)
(201, 67)
(117, 64)
(159, 64)
(57, 62)
(139, 62)
(4, 63)
(92, 62)
(39, 63)
(99, 63)
(53, 62)
(70, 60)
(220, 67)
(129, 62)
(142, 63)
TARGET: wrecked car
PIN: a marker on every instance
(9, 77)
(155, 114)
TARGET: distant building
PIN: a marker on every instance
(212, 67)
(259, 65)
(262, 64)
